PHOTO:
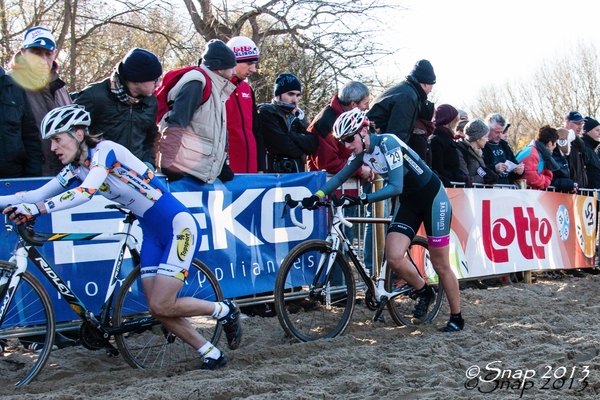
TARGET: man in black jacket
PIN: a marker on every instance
(396, 110)
(20, 146)
(123, 107)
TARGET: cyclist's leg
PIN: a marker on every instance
(440, 259)
(173, 252)
(395, 250)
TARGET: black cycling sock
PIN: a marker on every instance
(458, 320)
(423, 290)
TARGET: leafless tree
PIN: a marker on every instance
(556, 87)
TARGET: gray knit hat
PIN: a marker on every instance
(475, 130)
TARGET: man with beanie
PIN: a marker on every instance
(34, 69)
(246, 146)
(123, 107)
(193, 138)
(283, 129)
(396, 110)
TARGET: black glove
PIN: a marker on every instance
(226, 174)
(352, 200)
(173, 173)
(489, 176)
(311, 202)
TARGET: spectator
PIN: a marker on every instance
(444, 150)
(396, 110)
(460, 129)
(497, 154)
(470, 152)
(281, 121)
(577, 160)
(331, 154)
(591, 138)
(246, 146)
(20, 147)
(123, 106)
(193, 135)
(34, 68)
(561, 178)
(537, 158)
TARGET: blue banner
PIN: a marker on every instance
(244, 237)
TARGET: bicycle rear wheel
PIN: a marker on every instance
(401, 307)
(29, 317)
(151, 345)
(311, 302)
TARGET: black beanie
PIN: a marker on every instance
(423, 72)
(285, 83)
(590, 123)
(139, 65)
(218, 56)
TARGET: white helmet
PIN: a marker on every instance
(349, 123)
(63, 119)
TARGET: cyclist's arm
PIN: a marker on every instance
(353, 165)
(394, 158)
(51, 188)
(88, 188)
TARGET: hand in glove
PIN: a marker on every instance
(489, 176)
(352, 200)
(310, 203)
(226, 173)
(173, 173)
(22, 213)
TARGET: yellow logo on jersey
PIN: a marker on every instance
(67, 196)
(184, 243)
(104, 188)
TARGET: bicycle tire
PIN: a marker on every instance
(401, 307)
(154, 347)
(313, 307)
(29, 313)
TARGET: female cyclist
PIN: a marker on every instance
(421, 199)
(108, 168)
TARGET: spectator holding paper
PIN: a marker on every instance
(498, 155)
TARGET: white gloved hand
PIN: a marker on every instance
(24, 212)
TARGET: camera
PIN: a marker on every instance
(285, 165)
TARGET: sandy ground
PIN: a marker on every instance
(549, 328)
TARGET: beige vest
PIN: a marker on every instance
(202, 149)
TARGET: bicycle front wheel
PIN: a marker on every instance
(27, 330)
(314, 298)
(401, 307)
(150, 344)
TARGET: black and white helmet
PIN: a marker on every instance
(349, 123)
(63, 119)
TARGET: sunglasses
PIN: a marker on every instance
(348, 139)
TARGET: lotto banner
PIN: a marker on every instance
(244, 237)
(497, 231)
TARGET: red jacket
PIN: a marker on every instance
(244, 145)
(536, 174)
(331, 154)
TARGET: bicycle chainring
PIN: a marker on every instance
(91, 339)
(370, 301)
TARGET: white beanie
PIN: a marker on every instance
(244, 48)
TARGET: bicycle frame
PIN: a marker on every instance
(337, 237)
(25, 249)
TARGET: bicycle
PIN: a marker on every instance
(318, 271)
(26, 309)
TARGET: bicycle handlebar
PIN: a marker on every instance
(335, 203)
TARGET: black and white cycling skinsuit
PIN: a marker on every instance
(422, 197)
(171, 233)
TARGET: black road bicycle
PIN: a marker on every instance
(318, 274)
(26, 310)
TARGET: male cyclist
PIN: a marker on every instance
(105, 167)
(421, 199)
